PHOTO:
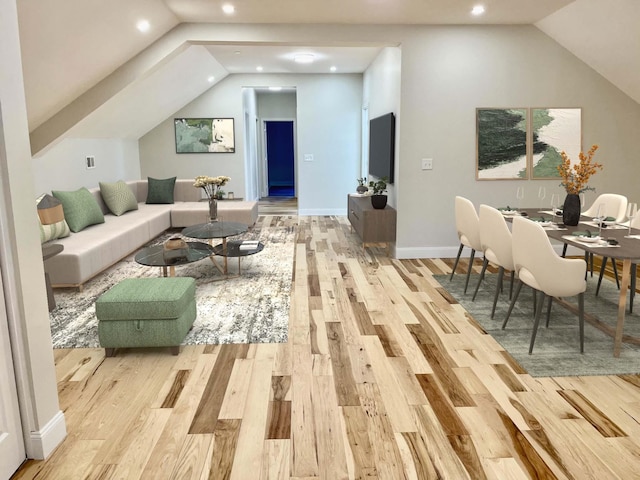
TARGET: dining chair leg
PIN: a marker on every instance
(581, 320)
(495, 297)
(615, 272)
(548, 312)
(535, 301)
(513, 275)
(564, 250)
(601, 275)
(513, 302)
(466, 283)
(602, 267)
(455, 265)
(591, 262)
(537, 321)
(586, 259)
(485, 263)
(634, 274)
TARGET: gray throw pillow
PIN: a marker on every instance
(80, 208)
(160, 191)
(118, 197)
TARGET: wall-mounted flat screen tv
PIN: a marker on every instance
(382, 134)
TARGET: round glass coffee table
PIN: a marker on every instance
(217, 230)
(239, 249)
(157, 256)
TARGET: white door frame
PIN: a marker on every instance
(263, 171)
(12, 446)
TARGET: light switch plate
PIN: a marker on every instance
(308, 157)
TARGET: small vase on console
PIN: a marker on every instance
(571, 209)
(213, 210)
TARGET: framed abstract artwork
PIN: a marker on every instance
(554, 130)
(502, 147)
(204, 135)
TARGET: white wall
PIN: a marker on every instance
(448, 72)
(21, 256)
(63, 166)
(381, 95)
(328, 127)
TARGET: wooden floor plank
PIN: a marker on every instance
(384, 376)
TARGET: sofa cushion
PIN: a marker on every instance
(80, 208)
(118, 197)
(160, 190)
(51, 218)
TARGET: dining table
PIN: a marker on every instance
(614, 241)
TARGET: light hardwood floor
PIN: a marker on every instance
(384, 377)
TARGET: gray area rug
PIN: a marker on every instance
(556, 352)
(251, 308)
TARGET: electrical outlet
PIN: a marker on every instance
(427, 164)
(308, 157)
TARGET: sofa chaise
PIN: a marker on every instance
(97, 247)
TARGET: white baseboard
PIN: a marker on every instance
(321, 212)
(451, 252)
(41, 443)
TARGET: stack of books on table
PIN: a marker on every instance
(249, 245)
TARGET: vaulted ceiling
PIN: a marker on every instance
(87, 68)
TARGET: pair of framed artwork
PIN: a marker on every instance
(525, 143)
(204, 135)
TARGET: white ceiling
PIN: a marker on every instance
(70, 46)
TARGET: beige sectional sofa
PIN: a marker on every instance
(97, 247)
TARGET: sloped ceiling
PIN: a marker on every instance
(603, 34)
(89, 73)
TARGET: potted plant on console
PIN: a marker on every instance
(378, 190)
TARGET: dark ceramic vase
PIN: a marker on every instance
(379, 201)
(571, 210)
(362, 189)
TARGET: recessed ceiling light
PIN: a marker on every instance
(228, 8)
(477, 10)
(259, 68)
(303, 58)
(211, 79)
(143, 25)
(333, 68)
(275, 89)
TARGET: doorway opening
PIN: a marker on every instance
(280, 158)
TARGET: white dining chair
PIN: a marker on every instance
(538, 266)
(635, 223)
(468, 227)
(495, 240)
(614, 206)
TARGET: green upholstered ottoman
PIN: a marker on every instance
(146, 312)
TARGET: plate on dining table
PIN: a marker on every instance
(587, 239)
(508, 212)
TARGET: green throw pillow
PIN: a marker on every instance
(160, 191)
(80, 208)
(118, 197)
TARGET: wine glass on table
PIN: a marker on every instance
(520, 196)
(542, 192)
(600, 218)
(632, 211)
(555, 204)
